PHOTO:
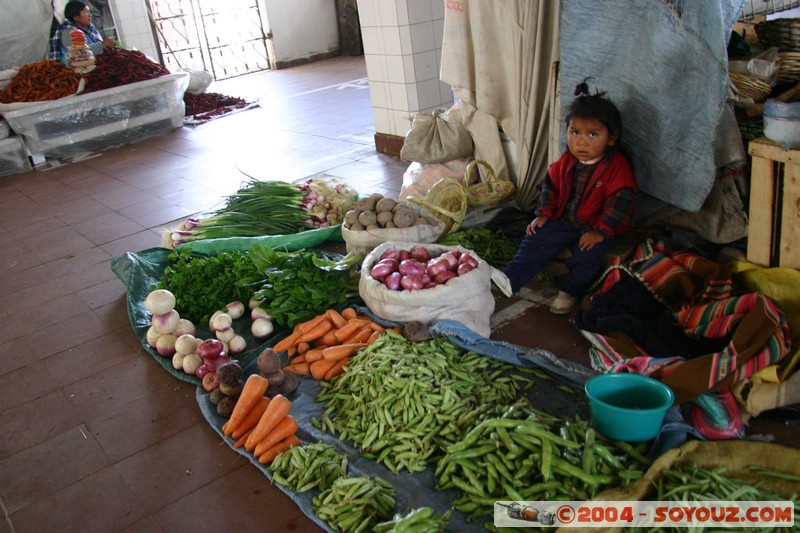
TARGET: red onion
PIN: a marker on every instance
(411, 282)
(436, 266)
(452, 262)
(442, 277)
(456, 254)
(380, 271)
(392, 281)
(402, 255)
(210, 349)
(430, 285)
(391, 253)
(411, 267)
(421, 254)
(468, 259)
(393, 264)
(463, 268)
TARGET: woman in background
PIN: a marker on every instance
(77, 16)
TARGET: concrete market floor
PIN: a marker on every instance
(96, 437)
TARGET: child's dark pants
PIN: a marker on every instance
(537, 250)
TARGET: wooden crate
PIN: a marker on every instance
(773, 236)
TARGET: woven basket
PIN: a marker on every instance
(789, 67)
(783, 33)
(447, 200)
(488, 191)
(750, 87)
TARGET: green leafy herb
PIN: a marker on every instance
(494, 247)
(202, 285)
(300, 284)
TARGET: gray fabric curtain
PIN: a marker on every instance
(498, 58)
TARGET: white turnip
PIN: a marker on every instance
(259, 312)
(221, 322)
(165, 345)
(167, 322)
(160, 302)
(252, 303)
(152, 336)
(177, 361)
(225, 335)
(186, 344)
(191, 363)
(214, 316)
(235, 309)
(262, 328)
(236, 345)
(185, 327)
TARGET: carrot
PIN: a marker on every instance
(308, 325)
(344, 332)
(285, 428)
(397, 329)
(329, 338)
(348, 313)
(376, 327)
(362, 335)
(320, 368)
(298, 359)
(270, 455)
(254, 388)
(336, 369)
(334, 353)
(277, 409)
(291, 351)
(239, 443)
(300, 369)
(252, 417)
(313, 355)
(372, 338)
(336, 318)
(317, 331)
(284, 344)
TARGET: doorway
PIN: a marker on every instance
(226, 39)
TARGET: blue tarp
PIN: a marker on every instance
(664, 64)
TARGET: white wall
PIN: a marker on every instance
(301, 28)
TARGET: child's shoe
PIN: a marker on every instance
(563, 304)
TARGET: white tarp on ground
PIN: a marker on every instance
(24, 32)
(665, 65)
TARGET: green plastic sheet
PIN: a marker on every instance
(291, 243)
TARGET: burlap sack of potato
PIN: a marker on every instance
(436, 137)
(736, 456)
(466, 299)
(362, 241)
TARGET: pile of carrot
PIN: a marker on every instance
(262, 426)
(321, 347)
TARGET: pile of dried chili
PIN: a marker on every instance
(208, 105)
(39, 82)
(117, 66)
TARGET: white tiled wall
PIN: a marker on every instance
(133, 26)
(403, 49)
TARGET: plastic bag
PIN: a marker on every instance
(199, 80)
(466, 299)
(419, 178)
(435, 138)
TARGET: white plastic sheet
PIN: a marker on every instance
(24, 32)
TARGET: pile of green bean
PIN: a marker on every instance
(417, 520)
(355, 504)
(402, 403)
(303, 468)
(687, 483)
(527, 455)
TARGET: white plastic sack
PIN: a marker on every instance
(199, 80)
(24, 32)
(363, 241)
(466, 299)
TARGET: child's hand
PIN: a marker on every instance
(589, 239)
(537, 223)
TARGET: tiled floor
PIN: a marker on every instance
(96, 437)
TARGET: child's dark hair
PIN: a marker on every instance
(594, 106)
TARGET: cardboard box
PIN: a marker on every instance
(77, 126)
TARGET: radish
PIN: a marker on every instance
(235, 309)
(262, 328)
(185, 327)
(225, 335)
(167, 322)
(160, 302)
(165, 345)
(221, 322)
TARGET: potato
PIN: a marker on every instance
(368, 203)
(215, 396)
(351, 216)
(231, 389)
(373, 227)
(384, 217)
(367, 218)
(356, 226)
(404, 218)
(420, 221)
(385, 204)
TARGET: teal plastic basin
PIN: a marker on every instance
(628, 407)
